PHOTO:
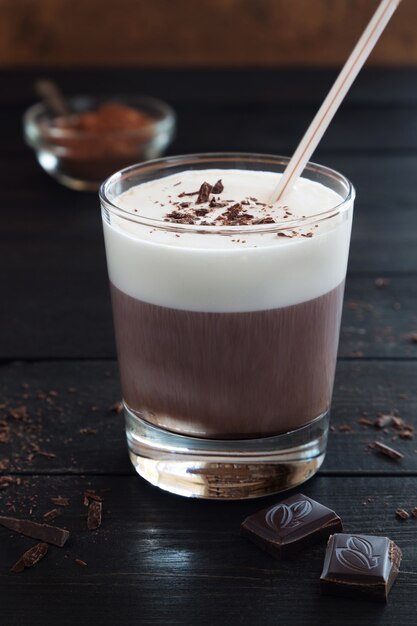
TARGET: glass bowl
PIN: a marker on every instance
(81, 157)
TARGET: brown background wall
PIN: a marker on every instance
(197, 32)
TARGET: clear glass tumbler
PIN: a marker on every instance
(226, 335)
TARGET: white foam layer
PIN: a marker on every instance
(212, 272)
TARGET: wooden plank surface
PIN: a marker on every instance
(374, 87)
(159, 559)
(161, 563)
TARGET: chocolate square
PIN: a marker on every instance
(291, 525)
(360, 565)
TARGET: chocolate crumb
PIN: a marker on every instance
(264, 220)
(344, 428)
(365, 421)
(6, 481)
(414, 512)
(60, 501)
(94, 515)
(80, 561)
(406, 434)
(216, 204)
(30, 557)
(413, 337)
(117, 407)
(187, 193)
(382, 282)
(88, 431)
(402, 513)
(50, 515)
(90, 493)
(399, 424)
(4, 434)
(20, 412)
(201, 212)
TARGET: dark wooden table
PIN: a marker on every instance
(160, 559)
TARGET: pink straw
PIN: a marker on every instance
(335, 97)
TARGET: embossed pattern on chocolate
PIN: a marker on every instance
(291, 525)
(360, 565)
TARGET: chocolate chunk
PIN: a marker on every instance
(94, 515)
(30, 557)
(49, 534)
(387, 451)
(291, 525)
(204, 193)
(217, 187)
(360, 565)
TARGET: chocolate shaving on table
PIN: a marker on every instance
(6, 481)
(80, 562)
(204, 193)
(94, 515)
(399, 424)
(20, 412)
(217, 187)
(4, 434)
(49, 534)
(382, 282)
(60, 501)
(387, 451)
(402, 513)
(90, 493)
(117, 407)
(406, 434)
(345, 428)
(365, 421)
(383, 420)
(30, 557)
(50, 515)
(414, 512)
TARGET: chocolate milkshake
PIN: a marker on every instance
(226, 307)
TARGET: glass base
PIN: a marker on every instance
(225, 469)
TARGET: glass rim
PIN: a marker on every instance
(33, 114)
(207, 157)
